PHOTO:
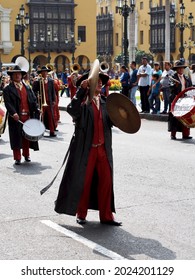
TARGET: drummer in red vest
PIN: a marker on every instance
(21, 104)
(181, 82)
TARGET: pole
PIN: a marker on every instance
(181, 49)
(167, 30)
(73, 57)
(29, 59)
(22, 28)
(125, 43)
(190, 55)
(49, 56)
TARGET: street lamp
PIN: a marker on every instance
(182, 25)
(29, 58)
(123, 9)
(22, 22)
(190, 45)
(73, 45)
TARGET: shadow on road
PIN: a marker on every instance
(31, 168)
(122, 242)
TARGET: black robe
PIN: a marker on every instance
(72, 183)
(12, 103)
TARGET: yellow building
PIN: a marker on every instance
(153, 13)
(53, 35)
(60, 32)
(147, 30)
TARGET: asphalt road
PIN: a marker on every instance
(154, 183)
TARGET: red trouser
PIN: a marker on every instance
(25, 144)
(97, 160)
(185, 132)
(50, 119)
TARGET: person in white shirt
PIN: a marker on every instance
(144, 76)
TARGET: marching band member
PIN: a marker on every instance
(184, 82)
(44, 86)
(88, 177)
(57, 87)
(72, 79)
(64, 78)
(21, 104)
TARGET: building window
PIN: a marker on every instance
(117, 39)
(141, 37)
(105, 34)
(59, 18)
(157, 27)
(82, 33)
(141, 5)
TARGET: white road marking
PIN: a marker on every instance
(94, 246)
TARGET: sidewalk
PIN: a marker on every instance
(64, 101)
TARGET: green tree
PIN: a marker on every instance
(139, 54)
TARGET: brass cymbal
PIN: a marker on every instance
(123, 113)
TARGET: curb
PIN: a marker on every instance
(160, 118)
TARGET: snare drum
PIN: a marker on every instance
(33, 129)
(183, 107)
(2, 118)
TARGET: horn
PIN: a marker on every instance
(75, 67)
(93, 78)
(21, 61)
(50, 66)
(104, 67)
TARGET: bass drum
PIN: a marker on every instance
(2, 118)
(183, 107)
(33, 129)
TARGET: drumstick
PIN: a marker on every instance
(21, 122)
(174, 80)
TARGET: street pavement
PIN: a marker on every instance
(154, 182)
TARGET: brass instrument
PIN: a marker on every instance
(74, 78)
(21, 61)
(50, 66)
(104, 67)
(75, 67)
(93, 78)
(42, 100)
(123, 113)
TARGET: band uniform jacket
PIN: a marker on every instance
(174, 123)
(12, 103)
(72, 182)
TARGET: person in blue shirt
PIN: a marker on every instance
(133, 82)
(124, 79)
(154, 94)
(64, 79)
